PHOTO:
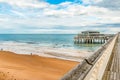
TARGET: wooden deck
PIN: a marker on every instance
(113, 68)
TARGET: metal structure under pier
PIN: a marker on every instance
(91, 37)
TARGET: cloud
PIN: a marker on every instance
(35, 16)
(26, 3)
(91, 1)
(114, 5)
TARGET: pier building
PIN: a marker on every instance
(91, 37)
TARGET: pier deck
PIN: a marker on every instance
(104, 64)
(113, 68)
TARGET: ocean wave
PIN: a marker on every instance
(47, 51)
(27, 48)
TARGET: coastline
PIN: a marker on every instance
(45, 63)
(24, 67)
(60, 53)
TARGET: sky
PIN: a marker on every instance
(59, 16)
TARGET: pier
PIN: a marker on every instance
(112, 71)
(104, 64)
(91, 37)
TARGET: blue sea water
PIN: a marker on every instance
(49, 40)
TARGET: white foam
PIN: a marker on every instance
(24, 48)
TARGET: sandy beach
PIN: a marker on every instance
(32, 67)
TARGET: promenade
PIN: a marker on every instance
(104, 64)
(113, 68)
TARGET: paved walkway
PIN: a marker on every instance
(113, 69)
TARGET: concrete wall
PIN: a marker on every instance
(98, 69)
(92, 68)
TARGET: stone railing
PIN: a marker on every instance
(93, 67)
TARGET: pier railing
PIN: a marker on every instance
(93, 67)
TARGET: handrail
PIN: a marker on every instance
(82, 69)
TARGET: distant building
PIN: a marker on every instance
(90, 32)
(91, 37)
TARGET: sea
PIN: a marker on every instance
(35, 41)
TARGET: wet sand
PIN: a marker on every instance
(32, 67)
